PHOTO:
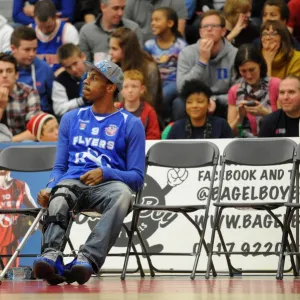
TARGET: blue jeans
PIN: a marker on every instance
(113, 199)
(169, 94)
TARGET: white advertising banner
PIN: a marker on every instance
(243, 230)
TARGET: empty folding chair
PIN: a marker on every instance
(250, 152)
(292, 206)
(26, 158)
(176, 154)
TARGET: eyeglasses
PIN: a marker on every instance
(213, 26)
(270, 34)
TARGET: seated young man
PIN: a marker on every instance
(101, 153)
(23, 10)
(51, 33)
(67, 87)
(18, 101)
(285, 121)
(32, 70)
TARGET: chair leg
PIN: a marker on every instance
(151, 268)
(227, 256)
(71, 247)
(140, 268)
(134, 222)
(1, 263)
(284, 241)
(199, 248)
(216, 224)
(67, 234)
(293, 243)
(24, 240)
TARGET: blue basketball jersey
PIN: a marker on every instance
(47, 50)
(115, 143)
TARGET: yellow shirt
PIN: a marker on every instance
(281, 68)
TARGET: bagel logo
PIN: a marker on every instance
(150, 221)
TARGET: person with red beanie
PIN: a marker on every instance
(44, 127)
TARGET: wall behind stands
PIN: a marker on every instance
(244, 230)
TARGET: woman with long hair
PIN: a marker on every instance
(255, 95)
(277, 49)
(125, 51)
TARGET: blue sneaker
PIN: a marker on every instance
(79, 270)
(49, 267)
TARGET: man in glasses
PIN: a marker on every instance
(211, 60)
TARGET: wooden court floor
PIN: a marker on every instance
(160, 287)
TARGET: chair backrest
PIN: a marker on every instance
(182, 154)
(28, 158)
(260, 151)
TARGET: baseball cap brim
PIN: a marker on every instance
(89, 67)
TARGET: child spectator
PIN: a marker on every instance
(198, 124)
(165, 49)
(239, 28)
(44, 127)
(132, 92)
(278, 51)
(126, 52)
(67, 87)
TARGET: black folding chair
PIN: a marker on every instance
(291, 207)
(94, 214)
(176, 154)
(250, 152)
(26, 158)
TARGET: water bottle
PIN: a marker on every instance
(20, 273)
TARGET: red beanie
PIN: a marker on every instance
(36, 123)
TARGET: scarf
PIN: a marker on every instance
(245, 91)
(207, 130)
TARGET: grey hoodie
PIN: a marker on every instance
(5, 33)
(218, 74)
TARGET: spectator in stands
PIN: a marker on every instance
(67, 87)
(51, 33)
(32, 70)
(5, 34)
(255, 96)
(94, 37)
(198, 124)
(239, 29)
(294, 22)
(165, 48)
(211, 60)
(277, 10)
(278, 51)
(285, 121)
(23, 10)
(18, 101)
(140, 11)
(44, 127)
(86, 11)
(132, 92)
(126, 52)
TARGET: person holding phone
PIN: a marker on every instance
(255, 96)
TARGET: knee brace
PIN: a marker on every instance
(73, 204)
